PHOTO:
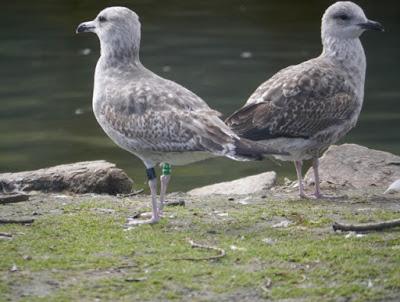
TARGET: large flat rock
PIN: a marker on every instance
(247, 185)
(82, 177)
(357, 166)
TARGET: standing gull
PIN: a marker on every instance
(307, 107)
(156, 119)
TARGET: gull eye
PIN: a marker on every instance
(102, 19)
(343, 17)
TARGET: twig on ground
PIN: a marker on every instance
(266, 286)
(126, 266)
(22, 221)
(136, 279)
(137, 192)
(221, 252)
(16, 197)
(366, 226)
(176, 203)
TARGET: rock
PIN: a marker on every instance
(247, 185)
(356, 166)
(13, 197)
(282, 224)
(269, 241)
(393, 188)
(82, 177)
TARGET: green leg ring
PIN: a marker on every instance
(166, 169)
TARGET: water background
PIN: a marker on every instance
(221, 50)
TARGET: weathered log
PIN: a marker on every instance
(82, 177)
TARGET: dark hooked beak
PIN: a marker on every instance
(372, 25)
(85, 27)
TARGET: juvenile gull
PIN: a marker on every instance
(307, 107)
(156, 119)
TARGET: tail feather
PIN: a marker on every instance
(246, 149)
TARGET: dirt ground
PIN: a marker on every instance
(278, 248)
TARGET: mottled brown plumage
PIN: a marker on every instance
(298, 102)
(305, 108)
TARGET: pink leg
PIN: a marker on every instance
(298, 164)
(315, 165)
(318, 194)
(164, 180)
(155, 217)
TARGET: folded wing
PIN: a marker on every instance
(162, 116)
(298, 102)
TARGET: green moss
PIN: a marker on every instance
(88, 255)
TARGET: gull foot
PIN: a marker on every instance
(150, 214)
(305, 196)
(136, 221)
(147, 215)
(321, 196)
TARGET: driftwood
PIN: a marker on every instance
(366, 226)
(11, 198)
(82, 177)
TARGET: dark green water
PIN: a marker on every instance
(46, 80)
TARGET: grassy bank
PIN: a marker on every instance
(275, 249)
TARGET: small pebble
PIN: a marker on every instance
(282, 224)
(245, 201)
(287, 182)
(269, 241)
(353, 234)
(236, 248)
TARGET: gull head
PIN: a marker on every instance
(118, 29)
(346, 20)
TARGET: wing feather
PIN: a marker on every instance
(298, 102)
(162, 116)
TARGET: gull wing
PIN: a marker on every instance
(159, 115)
(298, 102)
